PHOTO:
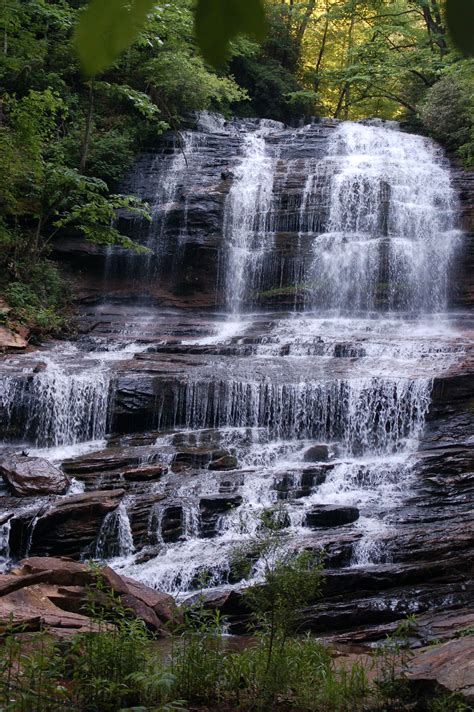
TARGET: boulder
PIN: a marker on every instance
(450, 665)
(330, 515)
(9, 340)
(32, 476)
(226, 462)
(139, 609)
(54, 591)
(63, 571)
(162, 603)
(318, 453)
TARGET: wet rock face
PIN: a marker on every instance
(463, 288)
(172, 523)
(203, 458)
(65, 527)
(210, 510)
(327, 515)
(191, 213)
(318, 453)
(220, 421)
(32, 476)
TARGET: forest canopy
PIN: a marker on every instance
(66, 139)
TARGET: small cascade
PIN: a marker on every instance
(56, 406)
(191, 520)
(115, 537)
(390, 237)
(155, 525)
(5, 528)
(366, 415)
(247, 216)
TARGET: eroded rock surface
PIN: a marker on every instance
(32, 476)
(54, 593)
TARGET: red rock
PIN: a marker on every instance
(53, 591)
(10, 340)
(142, 474)
(451, 665)
(144, 612)
(163, 604)
(32, 476)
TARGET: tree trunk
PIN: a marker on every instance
(304, 24)
(88, 130)
(345, 97)
(321, 52)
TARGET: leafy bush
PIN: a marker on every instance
(118, 665)
(448, 110)
(38, 297)
(181, 81)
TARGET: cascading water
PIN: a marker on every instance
(390, 237)
(115, 536)
(4, 543)
(369, 415)
(56, 407)
(357, 228)
(247, 216)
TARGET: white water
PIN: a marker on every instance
(391, 223)
(115, 536)
(387, 245)
(247, 220)
(4, 543)
(62, 407)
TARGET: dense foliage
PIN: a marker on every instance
(66, 140)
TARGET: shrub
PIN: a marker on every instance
(448, 110)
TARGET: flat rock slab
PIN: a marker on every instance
(450, 665)
(32, 476)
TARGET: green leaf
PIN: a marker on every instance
(107, 28)
(219, 21)
(460, 21)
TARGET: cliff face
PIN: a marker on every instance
(187, 186)
(464, 282)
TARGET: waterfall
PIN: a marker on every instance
(366, 415)
(319, 399)
(247, 216)
(115, 538)
(390, 236)
(5, 543)
(55, 406)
